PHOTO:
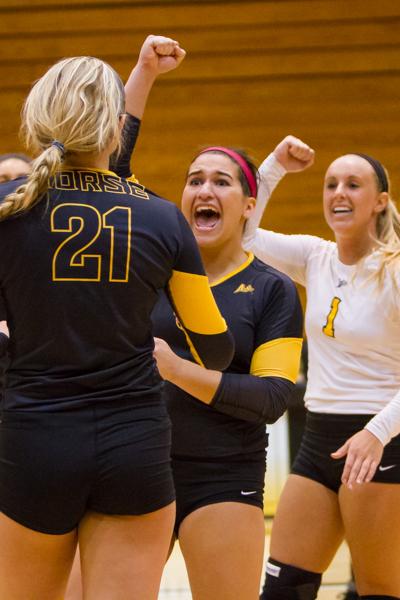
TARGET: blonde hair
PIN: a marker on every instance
(388, 240)
(74, 108)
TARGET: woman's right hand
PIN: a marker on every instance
(294, 155)
(160, 54)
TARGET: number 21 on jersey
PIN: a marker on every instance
(75, 258)
(329, 327)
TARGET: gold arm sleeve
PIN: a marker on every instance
(278, 358)
(195, 304)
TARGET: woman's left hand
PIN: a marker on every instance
(363, 453)
(294, 154)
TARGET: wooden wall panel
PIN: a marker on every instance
(206, 39)
(31, 15)
(325, 70)
(252, 64)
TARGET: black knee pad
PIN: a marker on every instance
(284, 582)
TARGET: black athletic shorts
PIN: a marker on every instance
(204, 481)
(112, 458)
(325, 433)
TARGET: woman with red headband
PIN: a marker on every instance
(218, 418)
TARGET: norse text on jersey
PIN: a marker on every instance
(93, 245)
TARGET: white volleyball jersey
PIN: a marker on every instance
(352, 327)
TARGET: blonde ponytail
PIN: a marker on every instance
(388, 239)
(73, 109)
(29, 193)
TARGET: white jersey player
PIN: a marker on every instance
(352, 398)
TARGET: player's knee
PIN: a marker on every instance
(284, 582)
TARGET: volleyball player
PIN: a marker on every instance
(345, 479)
(157, 56)
(14, 165)
(218, 418)
(84, 436)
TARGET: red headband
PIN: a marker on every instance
(247, 172)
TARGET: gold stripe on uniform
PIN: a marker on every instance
(278, 358)
(189, 290)
(243, 266)
(132, 178)
(192, 349)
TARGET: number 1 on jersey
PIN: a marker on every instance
(329, 328)
(119, 269)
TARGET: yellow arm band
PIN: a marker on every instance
(278, 358)
(195, 304)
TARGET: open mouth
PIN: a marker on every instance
(206, 217)
(342, 210)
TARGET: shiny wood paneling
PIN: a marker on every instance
(325, 70)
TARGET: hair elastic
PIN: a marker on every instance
(60, 146)
(379, 170)
(248, 173)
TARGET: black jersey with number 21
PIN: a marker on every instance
(79, 276)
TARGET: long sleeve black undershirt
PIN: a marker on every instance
(121, 163)
(251, 398)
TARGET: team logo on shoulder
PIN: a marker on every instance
(244, 288)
